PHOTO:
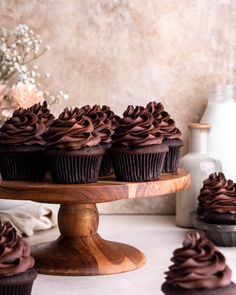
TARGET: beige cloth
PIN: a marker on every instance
(31, 217)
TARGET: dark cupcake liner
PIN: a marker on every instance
(220, 234)
(24, 289)
(220, 218)
(173, 155)
(19, 284)
(137, 166)
(106, 168)
(22, 163)
(222, 239)
(75, 166)
(168, 289)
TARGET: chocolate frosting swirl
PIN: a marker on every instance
(15, 255)
(43, 113)
(167, 125)
(198, 264)
(71, 130)
(23, 128)
(137, 128)
(103, 125)
(111, 115)
(217, 195)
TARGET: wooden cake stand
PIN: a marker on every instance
(80, 250)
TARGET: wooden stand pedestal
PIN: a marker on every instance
(80, 250)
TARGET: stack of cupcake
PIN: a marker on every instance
(217, 209)
(83, 143)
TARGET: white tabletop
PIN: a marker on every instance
(156, 236)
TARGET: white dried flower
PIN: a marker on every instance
(18, 48)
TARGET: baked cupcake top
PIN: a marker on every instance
(198, 264)
(217, 195)
(23, 128)
(15, 255)
(71, 131)
(42, 111)
(103, 120)
(166, 123)
(137, 128)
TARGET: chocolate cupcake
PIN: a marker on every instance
(73, 149)
(106, 166)
(16, 264)
(170, 133)
(217, 200)
(43, 113)
(198, 268)
(217, 210)
(105, 122)
(21, 147)
(138, 153)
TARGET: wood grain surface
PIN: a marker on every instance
(80, 250)
(105, 190)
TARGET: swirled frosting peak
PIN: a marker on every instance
(102, 120)
(198, 264)
(111, 115)
(137, 128)
(42, 111)
(166, 123)
(71, 130)
(217, 194)
(23, 128)
(15, 255)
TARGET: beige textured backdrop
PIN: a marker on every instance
(121, 52)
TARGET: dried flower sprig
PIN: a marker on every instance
(18, 49)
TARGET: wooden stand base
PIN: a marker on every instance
(80, 250)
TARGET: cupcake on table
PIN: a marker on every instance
(16, 264)
(198, 268)
(217, 209)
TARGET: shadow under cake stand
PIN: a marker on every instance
(80, 250)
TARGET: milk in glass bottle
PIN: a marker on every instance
(221, 115)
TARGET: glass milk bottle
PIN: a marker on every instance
(200, 165)
(221, 115)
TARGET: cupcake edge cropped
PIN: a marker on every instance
(138, 153)
(73, 150)
(105, 122)
(170, 133)
(15, 279)
(21, 147)
(205, 281)
(107, 168)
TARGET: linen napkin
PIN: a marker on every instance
(30, 218)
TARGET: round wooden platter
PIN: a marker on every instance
(80, 250)
(107, 189)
